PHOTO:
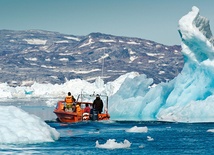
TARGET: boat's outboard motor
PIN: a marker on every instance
(93, 115)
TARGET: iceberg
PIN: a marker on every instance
(188, 97)
(17, 126)
(138, 129)
(75, 86)
(112, 144)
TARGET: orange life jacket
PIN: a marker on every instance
(61, 106)
(69, 100)
(78, 110)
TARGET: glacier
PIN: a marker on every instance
(187, 98)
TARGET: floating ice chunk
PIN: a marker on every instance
(150, 138)
(17, 126)
(112, 144)
(210, 130)
(137, 129)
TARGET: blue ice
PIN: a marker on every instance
(189, 96)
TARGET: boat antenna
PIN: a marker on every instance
(103, 64)
(102, 68)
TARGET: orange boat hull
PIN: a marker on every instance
(73, 117)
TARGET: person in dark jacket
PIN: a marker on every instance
(98, 104)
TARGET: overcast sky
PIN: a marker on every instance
(155, 20)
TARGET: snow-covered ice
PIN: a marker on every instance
(112, 144)
(138, 129)
(17, 126)
(210, 130)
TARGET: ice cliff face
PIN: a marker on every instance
(187, 98)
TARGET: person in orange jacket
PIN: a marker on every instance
(69, 100)
(78, 110)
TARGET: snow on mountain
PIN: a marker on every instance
(72, 38)
(25, 53)
(106, 41)
(35, 41)
(90, 41)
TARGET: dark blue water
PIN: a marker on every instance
(80, 138)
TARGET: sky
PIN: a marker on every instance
(155, 20)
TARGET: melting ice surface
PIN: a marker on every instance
(137, 129)
(17, 126)
(187, 98)
(112, 144)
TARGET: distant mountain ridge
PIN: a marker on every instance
(52, 57)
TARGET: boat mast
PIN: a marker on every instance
(103, 66)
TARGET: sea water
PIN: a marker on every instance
(80, 138)
(161, 138)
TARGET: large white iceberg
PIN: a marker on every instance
(17, 126)
(187, 98)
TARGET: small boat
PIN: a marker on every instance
(66, 116)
